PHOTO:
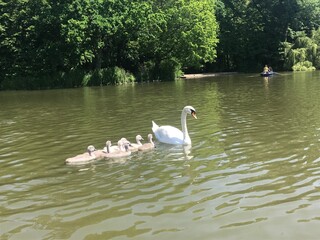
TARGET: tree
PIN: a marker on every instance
(47, 37)
(252, 31)
(304, 53)
(89, 30)
(185, 30)
(176, 34)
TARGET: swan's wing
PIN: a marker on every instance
(168, 134)
(80, 158)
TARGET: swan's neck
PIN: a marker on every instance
(91, 154)
(121, 147)
(108, 148)
(186, 137)
(150, 141)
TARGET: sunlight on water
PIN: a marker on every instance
(252, 171)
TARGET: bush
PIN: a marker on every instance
(146, 72)
(73, 78)
(106, 76)
(170, 70)
(39, 81)
(167, 70)
(317, 62)
(303, 66)
(121, 76)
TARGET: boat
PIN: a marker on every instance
(266, 74)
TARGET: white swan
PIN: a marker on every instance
(172, 135)
(85, 157)
(109, 149)
(147, 146)
(123, 152)
(133, 147)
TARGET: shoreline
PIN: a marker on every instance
(203, 75)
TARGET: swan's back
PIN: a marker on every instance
(85, 157)
(168, 134)
(147, 146)
(121, 153)
(81, 158)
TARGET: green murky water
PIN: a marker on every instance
(253, 171)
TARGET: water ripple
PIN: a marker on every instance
(252, 172)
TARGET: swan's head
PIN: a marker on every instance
(190, 110)
(108, 143)
(139, 138)
(123, 144)
(124, 141)
(91, 149)
(150, 137)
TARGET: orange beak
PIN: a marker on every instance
(194, 115)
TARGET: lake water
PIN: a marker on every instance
(253, 171)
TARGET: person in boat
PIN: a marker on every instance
(270, 69)
(265, 69)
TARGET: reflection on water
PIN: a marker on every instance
(252, 172)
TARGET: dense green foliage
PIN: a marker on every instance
(77, 42)
(253, 31)
(304, 53)
(64, 43)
